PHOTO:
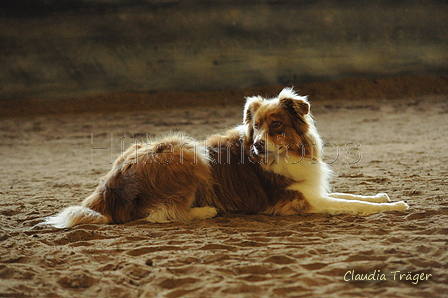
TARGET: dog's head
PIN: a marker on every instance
(281, 125)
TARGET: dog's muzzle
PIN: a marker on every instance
(260, 146)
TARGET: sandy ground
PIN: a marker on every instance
(375, 145)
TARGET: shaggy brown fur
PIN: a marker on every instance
(239, 183)
(152, 176)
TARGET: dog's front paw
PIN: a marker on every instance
(400, 206)
(382, 198)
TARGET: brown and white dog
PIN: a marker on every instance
(271, 164)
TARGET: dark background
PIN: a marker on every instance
(71, 49)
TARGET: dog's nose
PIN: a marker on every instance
(259, 145)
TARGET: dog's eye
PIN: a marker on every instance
(256, 126)
(276, 124)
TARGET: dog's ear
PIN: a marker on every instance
(251, 106)
(297, 105)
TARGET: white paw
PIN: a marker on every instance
(203, 212)
(209, 212)
(400, 206)
(382, 198)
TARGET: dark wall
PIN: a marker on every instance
(62, 49)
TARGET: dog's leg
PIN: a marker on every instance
(328, 204)
(320, 202)
(161, 215)
(379, 198)
(166, 214)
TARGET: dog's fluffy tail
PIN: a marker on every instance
(75, 215)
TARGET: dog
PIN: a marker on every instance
(270, 164)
